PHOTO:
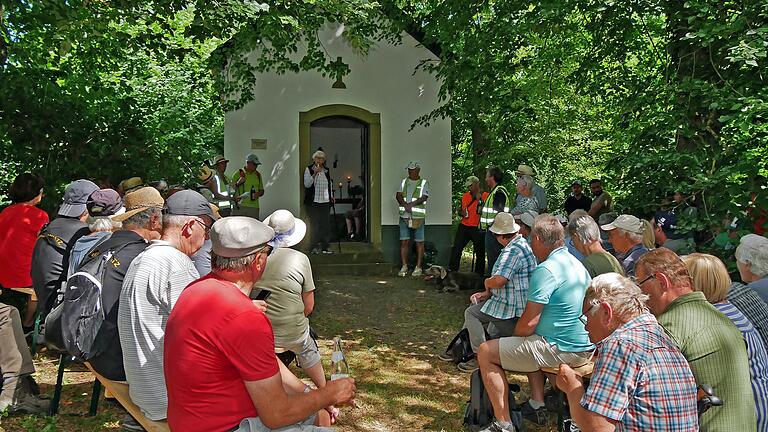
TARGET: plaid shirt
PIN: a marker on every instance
(515, 263)
(642, 381)
(752, 306)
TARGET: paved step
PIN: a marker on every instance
(353, 269)
(355, 259)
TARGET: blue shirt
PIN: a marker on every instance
(629, 259)
(515, 263)
(559, 283)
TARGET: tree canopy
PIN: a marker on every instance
(653, 96)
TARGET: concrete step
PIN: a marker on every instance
(351, 253)
(353, 269)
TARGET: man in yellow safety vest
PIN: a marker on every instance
(411, 197)
(496, 202)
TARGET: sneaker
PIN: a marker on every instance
(538, 415)
(314, 251)
(499, 426)
(446, 357)
(403, 271)
(417, 272)
(469, 366)
(25, 403)
(128, 423)
(327, 251)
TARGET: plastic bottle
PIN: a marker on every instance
(340, 365)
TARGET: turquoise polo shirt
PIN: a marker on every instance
(559, 283)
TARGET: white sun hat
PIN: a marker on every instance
(289, 230)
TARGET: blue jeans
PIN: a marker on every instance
(405, 232)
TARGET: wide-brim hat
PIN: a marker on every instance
(219, 158)
(140, 200)
(205, 174)
(524, 169)
(76, 196)
(504, 223)
(132, 183)
(289, 230)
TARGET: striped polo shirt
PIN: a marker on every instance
(151, 287)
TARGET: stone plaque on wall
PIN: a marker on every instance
(258, 144)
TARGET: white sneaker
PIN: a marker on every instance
(403, 271)
(417, 272)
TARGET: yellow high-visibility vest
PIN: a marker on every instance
(488, 213)
(419, 211)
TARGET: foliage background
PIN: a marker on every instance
(653, 96)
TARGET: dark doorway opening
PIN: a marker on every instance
(345, 143)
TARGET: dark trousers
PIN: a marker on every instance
(319, 220)
(465, 234)
(492, 249)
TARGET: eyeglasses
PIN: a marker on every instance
(640, 283)
(202, 224)
(583, 317)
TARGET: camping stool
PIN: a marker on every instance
(65, 360)
(585, 371)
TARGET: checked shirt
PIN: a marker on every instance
(515, 263)
(642, 380)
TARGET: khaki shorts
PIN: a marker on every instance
(306, 350)
(529, 354)
(254, 424)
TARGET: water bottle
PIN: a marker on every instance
(340, 365)
(253, 193)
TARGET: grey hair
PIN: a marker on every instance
(178, 221)
(585, 228)
(234, 265)
(753, 250)
(102, 223)
(525, 181)
(634, 237)
(142, 218)
(549, 230)
(577, 214)
(624, 296)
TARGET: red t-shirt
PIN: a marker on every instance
(215, 339)
(19, 226)
(473, 219)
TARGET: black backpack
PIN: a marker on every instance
(479, 412)
(460, 348)
(73, 324)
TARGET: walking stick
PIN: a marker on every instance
(335, 226)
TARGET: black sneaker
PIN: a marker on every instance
(538, 416)
(446, 357)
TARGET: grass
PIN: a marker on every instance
(392, 330)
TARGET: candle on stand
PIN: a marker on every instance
(340, 194)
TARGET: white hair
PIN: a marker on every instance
(624, 296)
(634, 237)
(177, 221)
(525, 181)
(585, 228)
(753, 250)
(102, 223)
(318, 154)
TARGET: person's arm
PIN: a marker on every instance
(309, 179)
(309, 302)
(596, 207)
(260, 192)
(526, 325)
(500, 202)
(291, 383)
(571, 385)
(495, 282)
(279, 409)
(400, 200)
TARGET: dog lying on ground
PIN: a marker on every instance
(447, 280)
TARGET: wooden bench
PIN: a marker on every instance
(120, 391)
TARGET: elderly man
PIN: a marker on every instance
(641, 381)
(249, 187)
(548, 333)
(506, 291)
(220, 364)
(411, 197)
(752, 262)
(50, 258)
(318, 197)
(710, 342)
(586, 239)
(497, 201)
(538, 192)
(577, 200)
(468, 230)
(289, 278)
(153, 283)
(626, 236)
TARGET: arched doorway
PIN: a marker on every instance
(351, 139)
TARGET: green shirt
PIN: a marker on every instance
(601, 263)
(717, 354)
(252, 179)
(288, 275)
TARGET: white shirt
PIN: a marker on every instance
(321, 185)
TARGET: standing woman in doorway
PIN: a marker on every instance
(318, 197)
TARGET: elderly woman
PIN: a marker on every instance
(525, 198)
(102, 205)
(711, 278)
(318, 197)
(752, 262)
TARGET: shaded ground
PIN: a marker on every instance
(392, 329)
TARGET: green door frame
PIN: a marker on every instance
(373, 120)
